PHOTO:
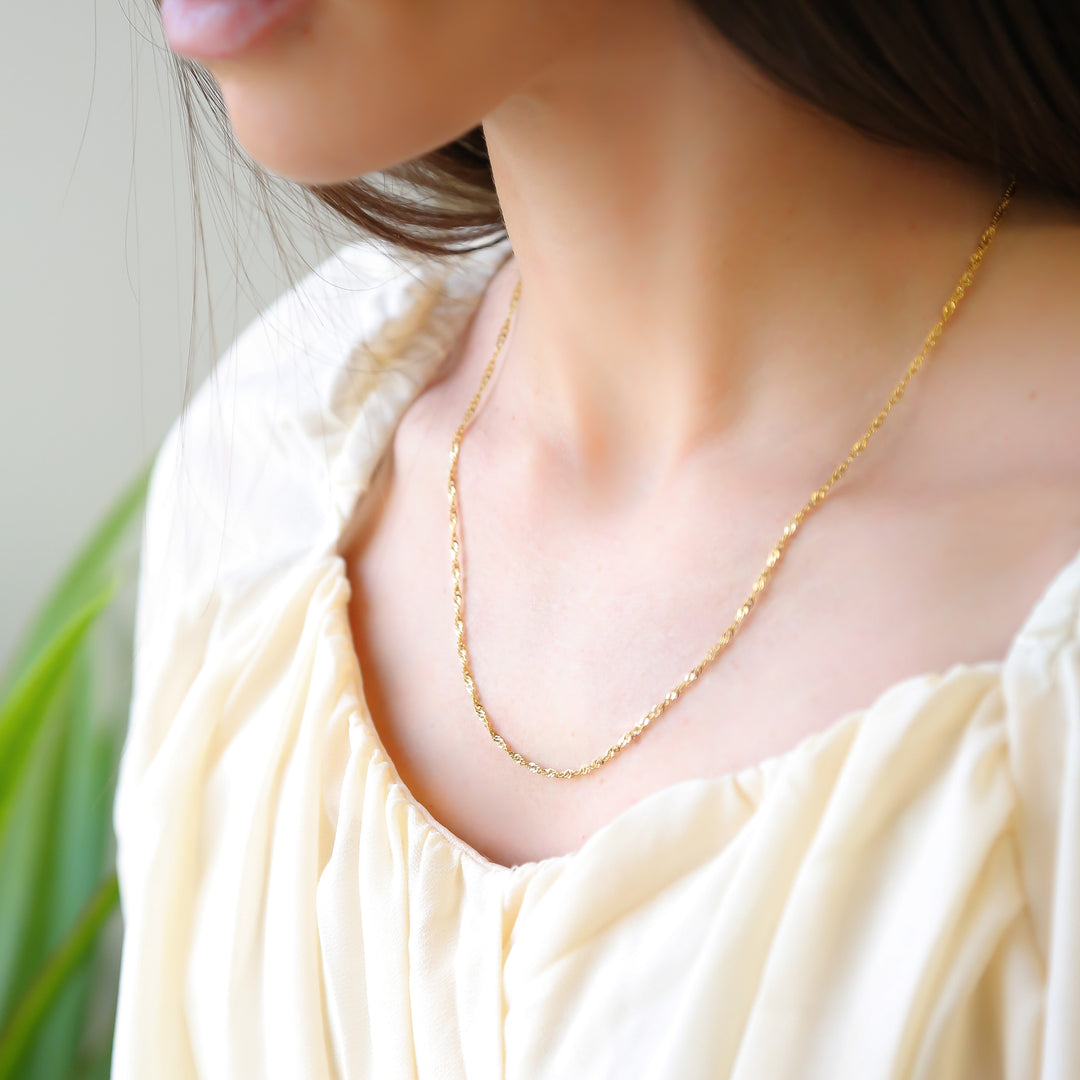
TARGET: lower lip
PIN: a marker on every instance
(211, 29)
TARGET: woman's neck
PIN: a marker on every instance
(703, 257)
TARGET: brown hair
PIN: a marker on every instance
(995, 83)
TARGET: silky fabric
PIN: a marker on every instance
(897, 896)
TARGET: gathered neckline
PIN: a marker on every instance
(1065, 581)
(478, 268)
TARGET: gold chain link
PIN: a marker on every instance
(816, 498)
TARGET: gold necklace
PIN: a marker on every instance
(775, 555)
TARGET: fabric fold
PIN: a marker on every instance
(897, 896)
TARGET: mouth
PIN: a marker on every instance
(215, 29)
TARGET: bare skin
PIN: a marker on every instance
(932, 551)
(720, 288)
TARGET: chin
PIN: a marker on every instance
(299, 160)
(313, 139)
(280, 134)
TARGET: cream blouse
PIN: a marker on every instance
(897, 896)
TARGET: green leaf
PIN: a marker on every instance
(42, 993)
(25, 850)
(83, 579)
(73, 854)
(63, 715)
(96, 1066)
(23, 713)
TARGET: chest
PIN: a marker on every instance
(571, 643)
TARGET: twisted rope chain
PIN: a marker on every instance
(816, 498)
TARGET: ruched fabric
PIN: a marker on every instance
(897, 896)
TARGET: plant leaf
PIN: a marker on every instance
(24, 856)
(23, 712)
(67, 958)
(63, 712)
(83, 578)
(73, 852)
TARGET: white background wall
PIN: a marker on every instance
(96, 275)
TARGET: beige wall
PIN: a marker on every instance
(96, 276)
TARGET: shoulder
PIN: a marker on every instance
(269, 457)
(269, 380)
(274, 447)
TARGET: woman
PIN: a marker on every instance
(847, 842)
